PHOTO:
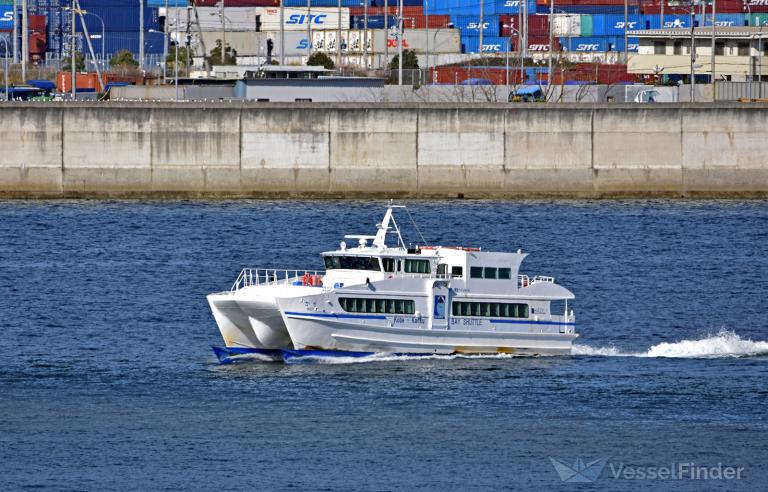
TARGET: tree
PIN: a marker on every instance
(230, 55)
(123, 59)
(170, 60)
(318, 59)
(410, 61)
(66, 65)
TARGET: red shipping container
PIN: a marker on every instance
(407, 10)
(37, 23)
(538, 25)
(37, 43)
(84, 80)
(545, 3)
(420, 21)
(538, 44)
(755, 6)
(239, 3)
(653, 7)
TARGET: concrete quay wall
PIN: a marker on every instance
(470, 150)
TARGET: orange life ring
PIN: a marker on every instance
(307, 279)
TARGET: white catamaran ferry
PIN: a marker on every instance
(380, 298)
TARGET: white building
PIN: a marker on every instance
(739, 52)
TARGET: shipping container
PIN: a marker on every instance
(491, 44)
(567, 25)
(320, 3)
(724, 20)
(490, 7)
(84, 81)
(442, 41)
(586, 25)
(723, 6)
(391, 10)
(117, 41)
(374, 21)
(171, 3)
(420, 21)
(585, 44)
(597, 9)
(760, 19)
(612, 25)
(235, 3)
(263, 18)
(118, 15)
(538, 25)
(756, 6)
(538, 44)
(470, 25)
(406, 3)
(6, 17)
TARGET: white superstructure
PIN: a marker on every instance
(381, 297)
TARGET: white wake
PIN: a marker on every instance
(723, 344)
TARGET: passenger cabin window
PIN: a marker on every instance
(417, 266)
(352, 263)
(389, 264)
(489, 272)
(377, 306)
(476, 272)
(490, 309)
(457, 271)
(505, 273)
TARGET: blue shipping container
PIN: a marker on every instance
(491, 44)
(469, 25)
(612, 25)
(6, 17)
(585, 45)
(118, 41)
(406, 3)
(490, 7)
(724, 20)
(171, 3)
(117, 15)
(374, 21)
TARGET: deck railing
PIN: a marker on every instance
(271, 276)
(525, 280)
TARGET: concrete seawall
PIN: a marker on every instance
(471, 150)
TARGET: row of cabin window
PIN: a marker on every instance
(490, 309)
(372, 264)
(378, 306)
(490, 272)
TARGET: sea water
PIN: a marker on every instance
(108, 382)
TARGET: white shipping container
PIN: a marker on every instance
(244, 18)
(440, 41)
(566, 25)
(296, 18)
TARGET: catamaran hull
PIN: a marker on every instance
(309, 333)
(233, 323)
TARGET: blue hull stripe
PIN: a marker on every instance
(332, 315)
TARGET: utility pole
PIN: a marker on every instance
(386, 34)
(223, 32)
(309, 29)
(400, 42)
(338, 38)
(141, 34)
(365, 33)
(693, 51)
(72, 46)
(165, 43)
(482, 26)
(24, 39)
(426, 13)
(551, 43)
(15, 41)
(626, 23)
(282, 34)
(714, 46)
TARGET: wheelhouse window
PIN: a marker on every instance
(490, 273)
(417, 266)
(490, 309)
(377, 306)
(389, 264)
(352, 263)
(457, 271)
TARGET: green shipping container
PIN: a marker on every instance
(760, 19)
(586, 25)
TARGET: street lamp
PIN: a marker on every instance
(513, 31)
(165, 53)
(5, 68)
(434, 40)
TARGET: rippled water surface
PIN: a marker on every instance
(107, 380)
